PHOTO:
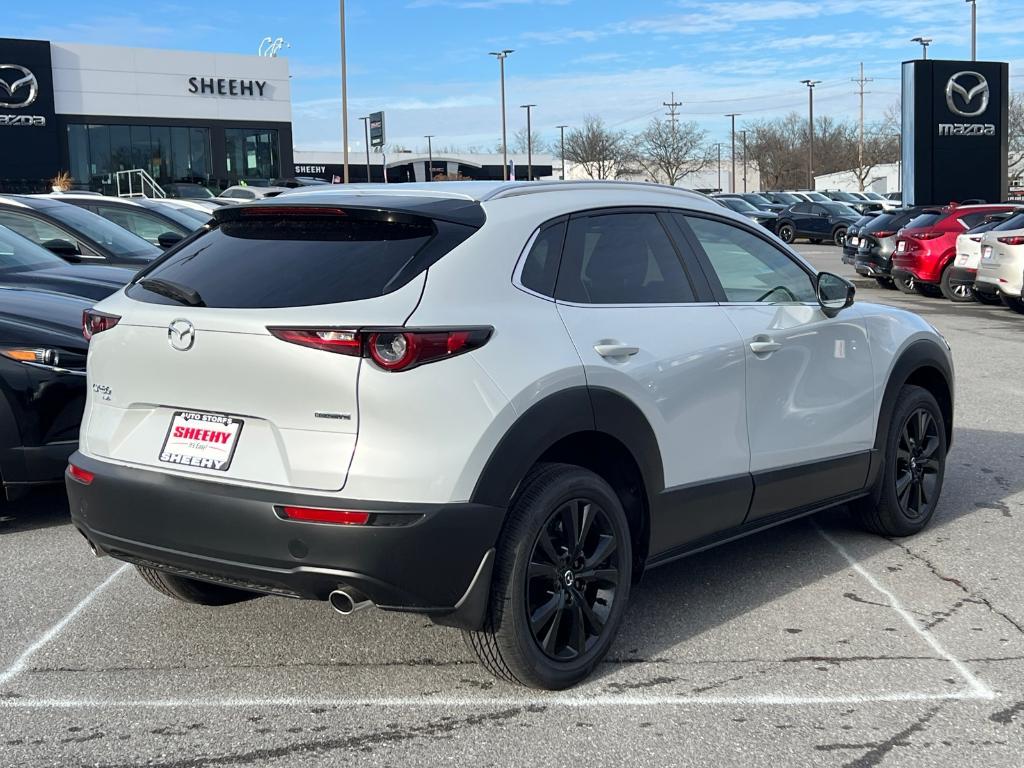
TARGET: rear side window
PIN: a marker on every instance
(541, 266)
(263, 259)
(621, 258)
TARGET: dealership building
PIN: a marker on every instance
(209, 118)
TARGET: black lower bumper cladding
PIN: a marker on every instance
(423, 558)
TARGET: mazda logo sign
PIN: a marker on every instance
(18, 86)
(968, 86)
(181, 335)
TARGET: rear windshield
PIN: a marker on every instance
(925, 220)
(264, 259)
(885, 221)
(1014, 222)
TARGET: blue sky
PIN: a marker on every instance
(425, 61)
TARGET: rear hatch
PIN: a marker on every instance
(191, 379)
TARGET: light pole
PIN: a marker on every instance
(366, 139)
(430, 157)
(501, 56)
(925, 42)
(529, 141)
(743, 134)
(344, 96)
(732, 179)
(719, 145)
(974, 29)
(561, 129)
(810, 130)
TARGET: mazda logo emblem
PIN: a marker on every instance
(968, 86)
(181, 334)
(21, 81)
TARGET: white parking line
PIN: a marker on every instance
(22, 661)
(580, 701)
(978, 688)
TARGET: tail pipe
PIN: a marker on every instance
(348, 601)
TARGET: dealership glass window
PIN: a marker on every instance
(78, 154)
(252, 154)
(201, 155)
(180, 161)
(120, 148)
(141, 148)
(160, 138)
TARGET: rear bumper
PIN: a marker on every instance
(924, 268)
(872, 265)
(424, 558)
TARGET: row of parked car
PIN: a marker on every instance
(961, 252)
(59, 255)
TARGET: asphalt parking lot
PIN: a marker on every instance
(812, 644)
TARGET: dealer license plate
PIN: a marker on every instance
(901, 246)
(986, 252)
(203, 440)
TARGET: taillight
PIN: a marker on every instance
(976, 239)
(885, 233)
(1012, 240)
(83, 476)
(392, 349)
(927, 235)
(333, 516)
(94, 322)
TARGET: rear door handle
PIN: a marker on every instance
(611, 349)
(762, 345)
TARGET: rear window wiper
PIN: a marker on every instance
(176, 291)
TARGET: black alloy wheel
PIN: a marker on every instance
(955, 292)
(839, 237)
(786, 233)
(917, 467)
(572, 579)
(905, 283)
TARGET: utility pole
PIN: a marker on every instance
(925, 42)
(810, 130)
(732, 179)
(529, 141)
(430, 157)
(366, 134)
(561, 129)
(672, 114)
(344, 96)
(501, 56)
(719, 145)
(743, 134)
(974, 29)
(861, 82)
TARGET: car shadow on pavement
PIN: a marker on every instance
(41, 508)
(678, 602)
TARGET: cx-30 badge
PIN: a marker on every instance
(968, 86)
(181, 334)
(14, 77)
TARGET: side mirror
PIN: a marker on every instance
(62, 248)
(834, 293)
(167, 239)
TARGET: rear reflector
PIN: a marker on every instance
(334, 516)
(83, 476)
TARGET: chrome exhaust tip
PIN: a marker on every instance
(348, 602)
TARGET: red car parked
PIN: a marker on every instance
(926, 246)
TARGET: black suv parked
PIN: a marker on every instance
(817, 222)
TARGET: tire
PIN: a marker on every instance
(990, 299)
(886, 282)
(912, 462)
(539, 600)
(1015, 303)
(193, 591)
(839, 237)
(960, 294)
(905, 283)
(927, 289)
(787, 233)
(816, 241)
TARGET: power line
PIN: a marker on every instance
(672, 109)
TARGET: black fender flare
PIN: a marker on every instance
(560, 415)
(919, 355)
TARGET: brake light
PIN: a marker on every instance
(291, 210)
(976, 239)
(884, 233)
(927, 235)
(1012, 240)
(81, 475)
(334, 516)
(393, 349)
(94, 322)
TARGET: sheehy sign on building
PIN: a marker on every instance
(227, 86)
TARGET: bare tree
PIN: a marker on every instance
(1015, 128)
(598, 150)
(669, 151)
(518, 142)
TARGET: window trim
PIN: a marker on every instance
(712, 277)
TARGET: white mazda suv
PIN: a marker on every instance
(495, 404)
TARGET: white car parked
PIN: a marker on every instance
(495, 404)
(1001, 270)
(964, 271)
